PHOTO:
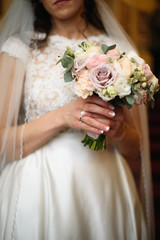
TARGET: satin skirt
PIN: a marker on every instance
(64, 191)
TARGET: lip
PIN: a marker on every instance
(61, 2)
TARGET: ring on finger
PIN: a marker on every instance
(82, 114)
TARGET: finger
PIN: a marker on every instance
(97, 100)
(102, 126)
(93, 108)
(88, 128)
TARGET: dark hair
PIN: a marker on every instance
(42, 22)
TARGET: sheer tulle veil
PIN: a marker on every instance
(19, 22)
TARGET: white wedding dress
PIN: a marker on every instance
(64, 191)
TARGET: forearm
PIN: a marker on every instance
(36, 133)
(127, 142)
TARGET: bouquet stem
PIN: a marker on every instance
(95, 144)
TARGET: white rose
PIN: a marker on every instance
(95, 50)
(80, 54)
(122, 87)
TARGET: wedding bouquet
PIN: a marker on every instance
(115, 76)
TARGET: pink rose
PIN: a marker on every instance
(147, 70)
(102, 76)
(95, 60)
(140, 100)
(114, 53)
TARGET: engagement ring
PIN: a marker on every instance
(80, 119)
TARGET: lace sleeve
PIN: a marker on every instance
(15, 48)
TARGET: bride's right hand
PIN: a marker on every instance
(94, 108)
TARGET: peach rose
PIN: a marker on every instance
(123, 67)
(83, 85)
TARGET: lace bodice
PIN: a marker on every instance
(44, 87)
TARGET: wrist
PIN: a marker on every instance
(60, 119)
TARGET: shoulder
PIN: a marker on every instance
(15, 47)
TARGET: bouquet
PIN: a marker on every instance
(115, 76)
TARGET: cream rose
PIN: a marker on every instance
(122, 86)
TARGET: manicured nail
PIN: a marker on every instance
(101, 131)
(107, 128)
(112, 114)
(111, 107)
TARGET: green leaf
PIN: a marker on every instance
(67, 62)
(111, 47)
(130, 100)
(129, 106)
(150, 95)
(118, 101)
(68, 76)
(59, 61)
(64, 63)
(84, 45)
(106, 48)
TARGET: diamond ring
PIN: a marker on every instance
(80, 119)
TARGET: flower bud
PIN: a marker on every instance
(104, 92)
(111, 91)
(144, 84)
(70, 52)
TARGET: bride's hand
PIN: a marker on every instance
(97, 115)
(117, 124)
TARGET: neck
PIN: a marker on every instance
(70, 28)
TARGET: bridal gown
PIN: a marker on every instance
(64, 191)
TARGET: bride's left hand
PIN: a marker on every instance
(116, 123)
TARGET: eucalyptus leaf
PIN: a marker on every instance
(104, 48)
(118, 101)
(68, 76)
(64, 63)
(129, 106)
(67, 62)
(130, 100)
(111, 47)
(151, 96)
(59, 61)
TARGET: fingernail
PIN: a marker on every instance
(107, 128)
(112, 114)
(111, 107)
(101, 131)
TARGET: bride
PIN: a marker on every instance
(51, 186)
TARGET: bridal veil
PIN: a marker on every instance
(19, 22)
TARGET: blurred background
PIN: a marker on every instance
(141, 20)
